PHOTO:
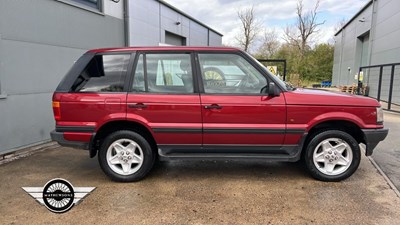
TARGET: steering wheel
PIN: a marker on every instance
(214, 77)
(246, 83)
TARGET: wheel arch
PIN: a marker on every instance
(347, 126)
(116, 125)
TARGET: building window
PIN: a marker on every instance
(91, 3)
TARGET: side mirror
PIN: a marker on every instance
(273, 90)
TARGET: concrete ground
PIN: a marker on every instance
(184, 192)
(387, 153)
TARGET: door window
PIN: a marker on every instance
(164, 73)
(230, 74)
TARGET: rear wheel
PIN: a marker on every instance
(126, 156)
(332, 155)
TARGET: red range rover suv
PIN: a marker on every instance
(131, 106)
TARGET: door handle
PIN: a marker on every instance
(137, 106)
(213, 106)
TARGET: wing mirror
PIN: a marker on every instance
(271, 89)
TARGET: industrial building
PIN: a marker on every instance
(41, 39)
(157, 23)
(370, 38)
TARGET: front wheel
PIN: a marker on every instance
(126, 156)
(332, 155)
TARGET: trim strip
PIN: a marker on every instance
(231, 149)
(177, 130)
(295, 131)
(224, 145)
(230, 130)
(243, 131)
(83, 129)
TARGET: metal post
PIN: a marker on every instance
(284, 70)
(359, 84)
(277, 60)
(391, 87)
(126, 22)
(380, 83)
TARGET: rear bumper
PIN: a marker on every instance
(59, 137)
(372, 137)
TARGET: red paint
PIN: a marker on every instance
(77, 136)
(169, 111)
(244, 112)
(301, 109)
(90, 109)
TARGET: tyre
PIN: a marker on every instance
(332, 155)
(126, 156)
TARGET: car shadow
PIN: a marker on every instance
(234, 169)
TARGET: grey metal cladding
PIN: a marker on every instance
(42, 39)
(384, 47)
(149, 20)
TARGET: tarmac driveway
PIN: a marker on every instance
(197, 192)
(387, 153)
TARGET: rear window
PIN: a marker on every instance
(104, 73)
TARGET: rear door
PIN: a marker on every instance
(237, 117)
(164, 97)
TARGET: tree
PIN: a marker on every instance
(270, 44)
(339, 25)
(316, 65)
(291, 54)
(249, 28)
(320, 63)
(306, 25)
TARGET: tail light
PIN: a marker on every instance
(56, 107)
(379, 115)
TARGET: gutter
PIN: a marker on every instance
(126, 21)
(354, 17)
(188, 16)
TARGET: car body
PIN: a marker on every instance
(132, 105)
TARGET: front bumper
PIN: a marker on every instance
(59, 137)
(372, 137)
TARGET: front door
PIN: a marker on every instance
(163, 97)
(237, 117)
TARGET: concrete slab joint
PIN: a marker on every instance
(25, 152)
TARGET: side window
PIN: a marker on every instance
(230, 74)
(104, 73)
(138, 78)
(164, 73)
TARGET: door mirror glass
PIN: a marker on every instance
(273, 90)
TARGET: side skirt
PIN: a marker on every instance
(290, 153)
(284, 153)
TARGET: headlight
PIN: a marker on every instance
(379, 115)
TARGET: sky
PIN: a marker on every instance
(221, 15)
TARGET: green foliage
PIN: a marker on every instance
(319, 62)
(314, 66)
